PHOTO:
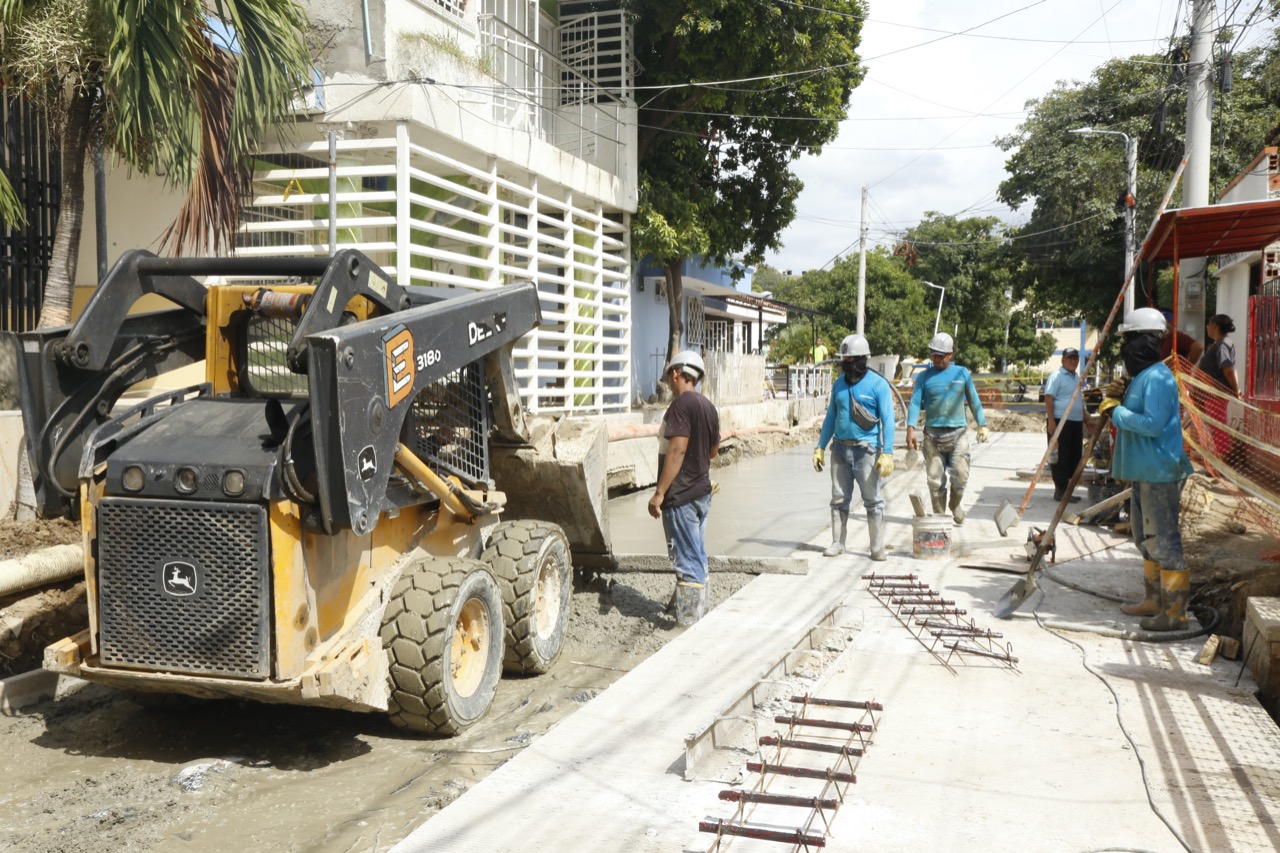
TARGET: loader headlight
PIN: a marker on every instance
(133, 479)
(186, 480)
(233, 483)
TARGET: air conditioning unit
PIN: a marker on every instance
(657, 285)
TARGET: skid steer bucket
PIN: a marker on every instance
(560, 476)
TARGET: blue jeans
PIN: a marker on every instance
(855, 464)
(1154, 519)
(686, 530)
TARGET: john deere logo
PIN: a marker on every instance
(179, 578)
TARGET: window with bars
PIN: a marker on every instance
(717, 336)
(451, 7)
(695, 321)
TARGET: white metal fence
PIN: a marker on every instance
(733, 378)
(431, 219)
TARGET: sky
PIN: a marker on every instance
(921, 127)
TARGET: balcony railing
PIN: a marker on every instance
(554, 101)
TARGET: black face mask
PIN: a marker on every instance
(854, 368)
(1139, 351)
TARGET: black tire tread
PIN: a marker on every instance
(512, 554)
(414, 634)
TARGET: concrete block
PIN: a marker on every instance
(1262, 646)
(10, 449)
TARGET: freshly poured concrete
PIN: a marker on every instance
(978, 756)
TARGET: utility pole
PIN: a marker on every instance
(862, 266)
(1130, 214)
(1195, 180)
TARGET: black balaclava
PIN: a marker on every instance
(1139, 351)
(854, 368)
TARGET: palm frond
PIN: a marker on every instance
(195, 110)
(12, 214)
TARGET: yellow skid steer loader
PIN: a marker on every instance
(320, 521)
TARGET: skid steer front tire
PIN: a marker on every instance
(443, 634)
(535, 572)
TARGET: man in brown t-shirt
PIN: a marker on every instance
(689, 440)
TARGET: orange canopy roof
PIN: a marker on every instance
(1218, 229)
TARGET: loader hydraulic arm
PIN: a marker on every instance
(363, 378)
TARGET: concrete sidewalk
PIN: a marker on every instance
(1090, 743)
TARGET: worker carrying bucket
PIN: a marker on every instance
(942, 390)
(859, 427)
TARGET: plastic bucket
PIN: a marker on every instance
(931, 538)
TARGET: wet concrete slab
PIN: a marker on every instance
(1092, 741)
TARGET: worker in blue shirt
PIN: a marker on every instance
(942, 390)
(1149, 456)
(859, 425)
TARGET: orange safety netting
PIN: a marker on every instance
(1238, 443)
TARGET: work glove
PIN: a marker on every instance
(1116, 388)
(885, 464)
(983, 435)
(1107, 404)
(818, 458)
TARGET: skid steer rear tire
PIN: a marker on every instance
(532, 563)
(443, 634)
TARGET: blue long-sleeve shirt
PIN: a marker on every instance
(1149, 430)
(943, 394)
(873, 394)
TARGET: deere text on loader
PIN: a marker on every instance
(320, 520)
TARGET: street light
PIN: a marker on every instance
(941, 296)
(1130, 204)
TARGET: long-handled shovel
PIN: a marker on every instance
(1006, 517)
(1021, 591)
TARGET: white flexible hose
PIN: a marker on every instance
(48, 565)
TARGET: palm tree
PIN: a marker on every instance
(179, 87)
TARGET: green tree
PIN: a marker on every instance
(733, 92)
(1072, 245)
(153, 83)
(969, 258)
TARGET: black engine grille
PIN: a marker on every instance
(184, 587)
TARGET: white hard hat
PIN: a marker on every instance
(688, 362)
(942, 342)
(1143, 320)
(853, 345)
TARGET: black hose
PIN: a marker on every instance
(293, 484)
(1138, 636)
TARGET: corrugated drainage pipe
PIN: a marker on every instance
(48, 565)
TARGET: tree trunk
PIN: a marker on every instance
(60, 287)
(675, 306)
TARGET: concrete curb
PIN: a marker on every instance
(717, 564)
(19, 691)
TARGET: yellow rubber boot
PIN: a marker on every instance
(1150, 603)
(1175, 590)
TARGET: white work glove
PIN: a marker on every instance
(983, 434)
(819, 457)
(885, 464)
